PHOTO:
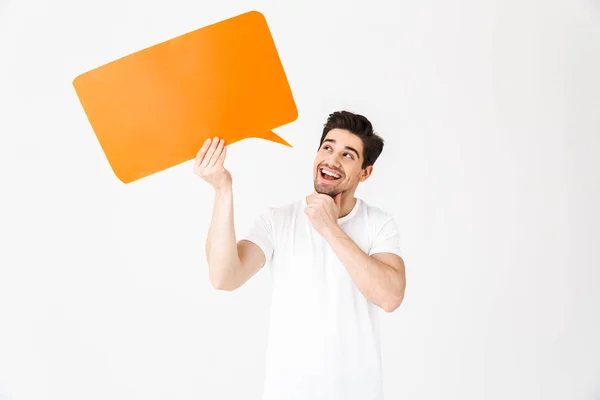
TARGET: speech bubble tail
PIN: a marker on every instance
(273, 137)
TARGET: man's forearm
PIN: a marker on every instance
(378, 282)
(221, 245)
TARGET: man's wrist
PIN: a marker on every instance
(334, 232)
(223, 191)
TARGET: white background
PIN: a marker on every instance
(491, 116)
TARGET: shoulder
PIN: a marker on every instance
(380, 222)
(375, 214)
(383, 231)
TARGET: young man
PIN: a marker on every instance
(335, 261)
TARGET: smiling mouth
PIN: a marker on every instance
(329, 175)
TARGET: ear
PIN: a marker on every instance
(366, 173)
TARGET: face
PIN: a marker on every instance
(337, 166)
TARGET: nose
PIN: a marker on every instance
(334, 162)
(337, 160)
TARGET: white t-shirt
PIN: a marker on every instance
(323, 338)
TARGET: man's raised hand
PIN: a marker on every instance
(209, 164)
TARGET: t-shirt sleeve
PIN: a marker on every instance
(386, 238)
(261, 233)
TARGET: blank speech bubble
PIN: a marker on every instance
(153, 109)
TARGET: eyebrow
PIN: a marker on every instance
(346, 147)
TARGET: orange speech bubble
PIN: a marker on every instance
(153, 109)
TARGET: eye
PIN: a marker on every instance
(350, 156)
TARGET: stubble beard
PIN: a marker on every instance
(325, 190)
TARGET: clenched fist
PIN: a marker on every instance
(209, 164)
(323, 212)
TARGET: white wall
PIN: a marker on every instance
(491, 114)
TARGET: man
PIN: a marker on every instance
(335, 261)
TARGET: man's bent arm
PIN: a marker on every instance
(380, 278)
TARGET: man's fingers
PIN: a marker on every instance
(221, 159)
(210, 152)
(202, 152)
(217, 154)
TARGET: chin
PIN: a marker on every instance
(326, 190)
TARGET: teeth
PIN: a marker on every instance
(330, 173)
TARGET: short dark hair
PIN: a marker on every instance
(361, 127)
